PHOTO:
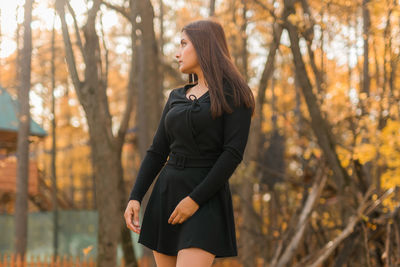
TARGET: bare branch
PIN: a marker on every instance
(366, 245)
(173, 72)
(308, 35)
(266, 8)
(386, 254)
(129, 100)
(123, 11)
(78, 36)
(316, 189)
(327, 250)
(105, 75)
(68, 47)
(269, 67)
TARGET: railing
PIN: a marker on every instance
(47, 261)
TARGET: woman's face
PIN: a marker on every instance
(187, 56)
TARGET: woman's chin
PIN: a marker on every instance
(185, 70)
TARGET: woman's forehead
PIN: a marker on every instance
(184, 36)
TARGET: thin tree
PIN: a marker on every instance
(246, 192)
(21, 202)
(366, 29)
(212, 8)
(254, 147)
(53, 139)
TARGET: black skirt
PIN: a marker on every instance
(211, 227)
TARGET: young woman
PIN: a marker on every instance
(199, 142)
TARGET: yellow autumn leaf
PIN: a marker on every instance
(390, 179)
(293, 19)
(365, 152)
(87, 250)
(343, 155)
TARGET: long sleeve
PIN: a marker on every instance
(236, 132)
(154, 160)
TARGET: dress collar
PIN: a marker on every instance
(189, 85)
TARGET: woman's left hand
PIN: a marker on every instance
(185, 208)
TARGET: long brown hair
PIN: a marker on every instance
(209, 41)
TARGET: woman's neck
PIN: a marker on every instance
(200, 80)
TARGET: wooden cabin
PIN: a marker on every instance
(8, 145)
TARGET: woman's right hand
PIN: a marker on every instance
(132, 216)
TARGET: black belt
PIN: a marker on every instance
(181, 161)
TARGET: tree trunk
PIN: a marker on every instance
(21, 205)
(146, 75)
(253, 151)
(212, 8)
(150, 93)
(247, 240)
(54, 147)
(105, 148)
(366, 26)
(18, 42)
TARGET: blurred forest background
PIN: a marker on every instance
(319, 183)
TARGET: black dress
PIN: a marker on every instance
(196, 155)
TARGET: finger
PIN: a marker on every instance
(128, 220)
(136, 217)
(172, 217)
(176, 219)
(130, 214)
(136, 229)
